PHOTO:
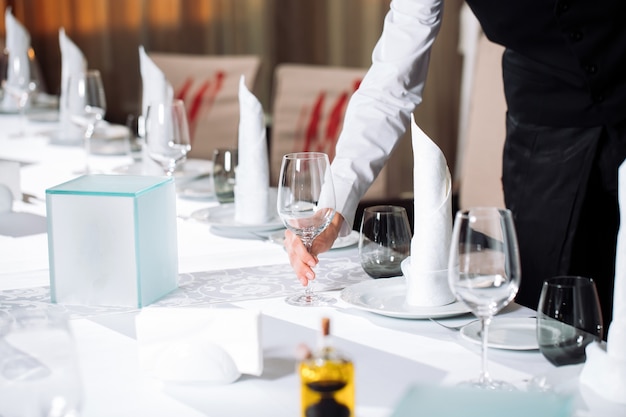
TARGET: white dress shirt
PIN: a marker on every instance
(379, 111)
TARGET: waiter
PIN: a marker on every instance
(564, 70)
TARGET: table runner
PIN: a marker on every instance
(207, 287)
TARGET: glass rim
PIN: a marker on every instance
(305, 155)
(481, 209)
(568, 281)
(385, 209)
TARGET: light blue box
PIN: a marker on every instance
(112, 240)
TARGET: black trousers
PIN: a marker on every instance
(561, 185)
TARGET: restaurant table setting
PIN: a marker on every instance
(222, 340)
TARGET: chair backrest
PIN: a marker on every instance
(209, 86)
(308, 111)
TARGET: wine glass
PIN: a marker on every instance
(384, 240)
(87, 105)
(568, 319)
(39, 367)
(484, 271)
(19, 82)
(306, 204)
(167, 134)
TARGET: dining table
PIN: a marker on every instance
(224, 266)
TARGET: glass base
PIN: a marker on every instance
(310, 300)
(488, 384)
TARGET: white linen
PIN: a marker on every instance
(10, 177)
(379, 111)
(426, 269)
(214, 345)
(155, 87)
(252, 173)
(605, 368)
(17, 43)
(73, 62)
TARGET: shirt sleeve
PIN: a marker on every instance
(379, 111)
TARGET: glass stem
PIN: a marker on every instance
(484, 332)
(88, 134)
(308, 290)
(22, 131)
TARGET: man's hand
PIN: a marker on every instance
(303, 261)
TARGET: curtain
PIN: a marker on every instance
(324, 32)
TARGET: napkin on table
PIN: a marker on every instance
(155, 89)
(426, 270)
(212, 345)
(72, 62)
(604, 371)
(17, 43)
(252, 173)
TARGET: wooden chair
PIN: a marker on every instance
(209, 86)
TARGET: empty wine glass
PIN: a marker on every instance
(384, 240)
(19, 82)
(484, 271)
(167, 134)
(306, 204)
(568, 319)
(87, 105)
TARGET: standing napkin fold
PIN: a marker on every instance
(156, 88)
(426, 270)
(605, 369)
(72, 62)
(17, 43)
(252, 173)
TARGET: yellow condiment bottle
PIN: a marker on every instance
(327, 380)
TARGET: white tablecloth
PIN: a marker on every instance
(390, 354)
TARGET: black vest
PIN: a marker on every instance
(565, 60)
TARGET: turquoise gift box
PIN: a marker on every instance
(112, 240)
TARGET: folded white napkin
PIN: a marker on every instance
(212, 345)
(155, 89)
(252, 173)
(17, 43)
(605, 368)
(72, 62)
(426, 269)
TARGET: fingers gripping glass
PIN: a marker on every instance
(306, 204)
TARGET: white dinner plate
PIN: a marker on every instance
(341, 242)
(505, 333)
(223, 217)
(386, 296)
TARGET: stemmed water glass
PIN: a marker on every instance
(19, 82)
(167, 134)
(87, 105)
(484, 271)
(306, 204)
